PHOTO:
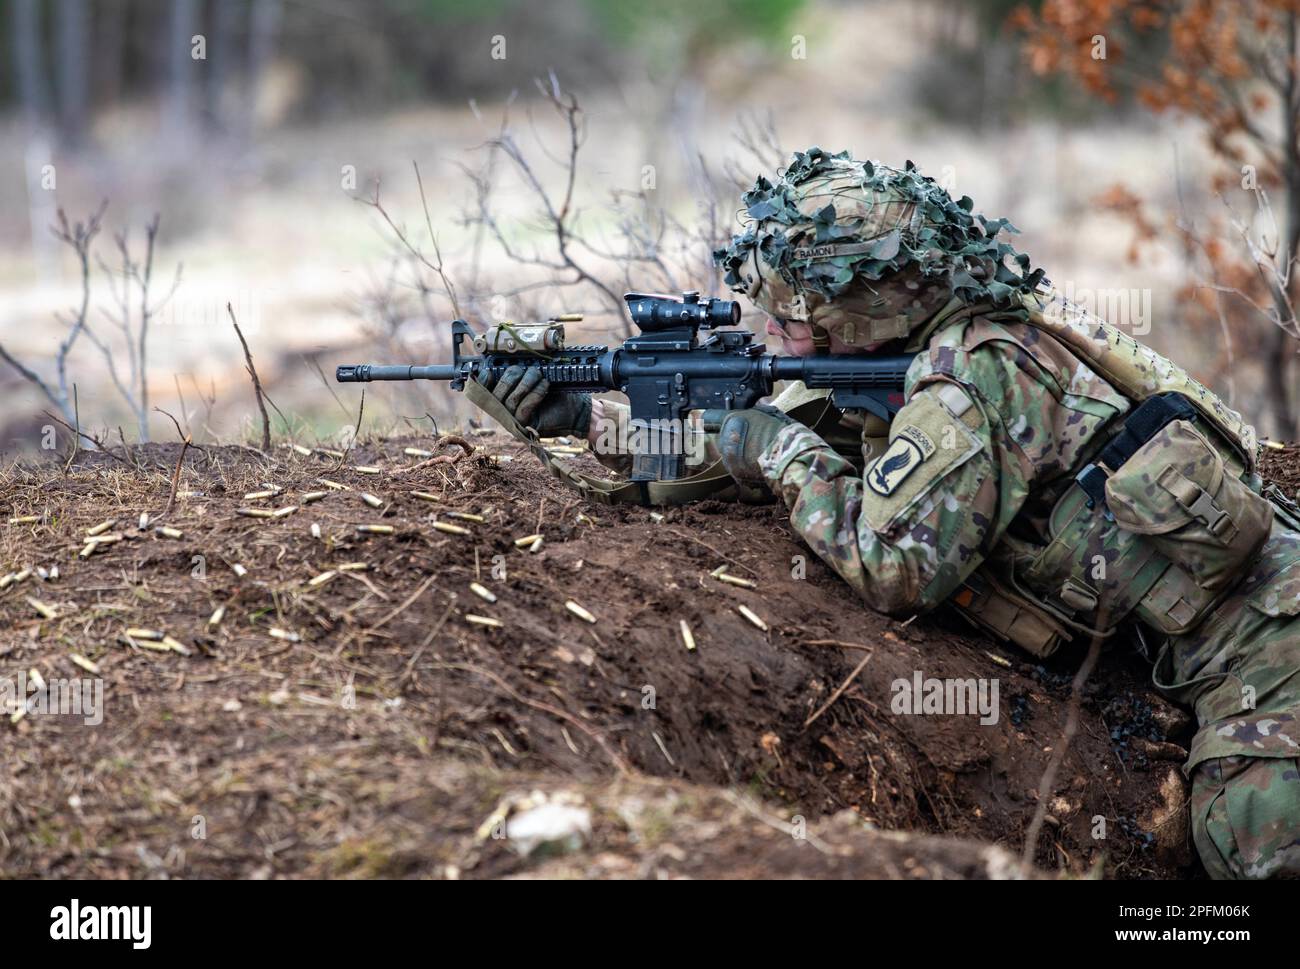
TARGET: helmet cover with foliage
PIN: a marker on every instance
(865, 252)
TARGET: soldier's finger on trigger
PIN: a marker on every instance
(532, 400)
(527, 381)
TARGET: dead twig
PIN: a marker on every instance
(257, 383)
(1048, 782)
(186, 441)
(467, 449)
(839, 691)
(356, 433)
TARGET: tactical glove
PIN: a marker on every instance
(743, 436)
(526, 394)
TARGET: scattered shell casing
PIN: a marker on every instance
(537, 544)
(375, 529)
(105, 539)
(239, 570)
(176, 646)
(736, 580)
(152, 635)
(218, 614)
(87, 550)
(526, 540)
(483, 592)
(287, 635)
(687, 636)
(367, 469)
(46, 612)
(304, 451)
(284, 512)
(143, 523)
(23, 575)
(310, 496)
(333, 485)
(25, 520)
(255, 512)
(425, 496)
(88, 665)
(100, 528)
(372, 500)
(353, 567)
(315, 530)
(451, 529)
(578, 611)
(483, 620)
(466, 516)
(417, 452)
(168, 532)
(322, 578)
(34, 675)
(336, 455)
(752, 617)
(255, 495)
(6, 581)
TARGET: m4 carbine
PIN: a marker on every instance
(666, 371)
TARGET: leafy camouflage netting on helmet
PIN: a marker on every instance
(888, 220)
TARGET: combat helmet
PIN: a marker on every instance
(866, 252)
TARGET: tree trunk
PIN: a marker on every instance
(110, 39)
(181, 66)
(263, 35)
(221, 61)
(29, 58)
(73, 69)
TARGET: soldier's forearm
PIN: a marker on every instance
(825, 495)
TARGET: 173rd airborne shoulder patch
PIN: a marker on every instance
(933, 434)
(903, 456)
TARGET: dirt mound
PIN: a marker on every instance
(327, 726)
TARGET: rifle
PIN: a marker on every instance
(666, 371)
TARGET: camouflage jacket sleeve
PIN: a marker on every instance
(985, 419)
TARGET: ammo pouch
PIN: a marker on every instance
(1160, 527)
(991, 604)
(1177, 492)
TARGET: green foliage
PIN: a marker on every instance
(710, 23)
(946, 239)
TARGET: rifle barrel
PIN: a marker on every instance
(365, 372)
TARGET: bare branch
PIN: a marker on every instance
(257, 383)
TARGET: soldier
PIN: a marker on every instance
(1048, 476)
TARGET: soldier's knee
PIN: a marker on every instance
(1246, 816)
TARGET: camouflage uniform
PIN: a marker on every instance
(979, 479)
(1022, 423)
(998, 489)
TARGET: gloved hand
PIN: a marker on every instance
(526, 394)
(743, 435)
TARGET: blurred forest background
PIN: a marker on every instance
(534, 158)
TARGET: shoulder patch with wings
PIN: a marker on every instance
(902, 457)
